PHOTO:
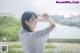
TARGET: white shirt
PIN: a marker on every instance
(33, 42)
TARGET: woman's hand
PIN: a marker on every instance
(50, 20)
(45, 15)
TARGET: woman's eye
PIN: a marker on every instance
(34, 20)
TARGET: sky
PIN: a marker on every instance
(17, 7)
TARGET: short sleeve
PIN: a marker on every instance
(39, 33)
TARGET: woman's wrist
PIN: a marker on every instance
(51, 22)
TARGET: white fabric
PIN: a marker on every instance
(33, 42)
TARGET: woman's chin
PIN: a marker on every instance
(32, 29)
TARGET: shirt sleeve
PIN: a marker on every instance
(39, 33)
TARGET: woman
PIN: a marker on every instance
(33, 41)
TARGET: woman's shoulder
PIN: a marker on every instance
(21, 31)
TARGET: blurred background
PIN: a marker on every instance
(65, 38)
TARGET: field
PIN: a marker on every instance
(15, 47)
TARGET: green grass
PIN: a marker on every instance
(15, 51)
(49, 46)
(15, 46)
(49, 49)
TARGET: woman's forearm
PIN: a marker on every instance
(51, 22)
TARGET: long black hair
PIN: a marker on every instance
(26, 16)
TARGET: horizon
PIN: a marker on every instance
(18, 18)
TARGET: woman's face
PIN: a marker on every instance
(31, 23)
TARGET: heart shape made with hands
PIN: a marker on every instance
(45, 15)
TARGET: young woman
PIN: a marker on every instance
(33, 41)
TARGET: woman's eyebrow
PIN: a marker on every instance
(33, 18)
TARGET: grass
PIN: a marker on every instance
(15, 46)
(50, 48)
(15, 51)
(21, 51)
(47, 45)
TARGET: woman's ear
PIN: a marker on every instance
(26, 22)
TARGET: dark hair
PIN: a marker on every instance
(26, 16)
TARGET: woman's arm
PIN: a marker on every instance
(50, 20)
(45, 31)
